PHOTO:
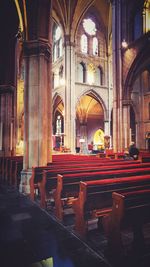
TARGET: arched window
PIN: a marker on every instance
(84, 44)
(99, 76)
(146, 16)
(58, 125)
(57, 42)
(89, 26)
(81, 72)
(89, 39)
(61, 78)
(95, 46)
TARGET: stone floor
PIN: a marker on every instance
(29, 236)
(32, 237)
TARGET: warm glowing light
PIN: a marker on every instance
(90, 74)
(99, 137)
(124, 44)
(57, 33)
(62, 81)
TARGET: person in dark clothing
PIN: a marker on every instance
(133, 151)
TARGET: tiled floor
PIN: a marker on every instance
(30, 235)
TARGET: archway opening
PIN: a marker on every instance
(58, 124)
(89, 120)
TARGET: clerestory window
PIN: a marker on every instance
(89, 38)
(57, 43)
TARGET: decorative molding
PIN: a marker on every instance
(5, 89)
(67, 41)
(38, 47)
(127, 102)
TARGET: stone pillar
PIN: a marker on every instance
(117, 76)
(107, 127)
(37, 106)
(7, 120)
(126, 126)
(69, 121)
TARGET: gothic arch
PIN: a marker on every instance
(97, 97)
(58, 109)
(57, 100)
(141, 62)
(92, 12)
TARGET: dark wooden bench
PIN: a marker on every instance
(48, 175)
(129, 209)
(68, 184)
(6, 167)
(95, 198)
(14, 171)
(16, 168)
(37, 172)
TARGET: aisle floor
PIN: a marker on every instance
(32, 237)
(29, 236)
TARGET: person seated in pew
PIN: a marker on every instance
(127, 156)
(133, 151)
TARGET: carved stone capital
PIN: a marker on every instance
(36, 48)
(6, 89)
(67, 41)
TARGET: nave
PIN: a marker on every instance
(34, 236)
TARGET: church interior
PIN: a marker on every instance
(74, 99)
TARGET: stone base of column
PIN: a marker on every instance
(24, 186)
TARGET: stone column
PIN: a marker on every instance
(126, 126)
(7, 120)
(107, 127)
(69, 122)
(37, 106)
(117, 76)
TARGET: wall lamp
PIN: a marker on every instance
(124, 44)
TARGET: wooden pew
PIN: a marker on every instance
(15, 168)
(6, 168)
(68, 184)
(37, 171)
(95, 198)
(129, 209)
(48, 172)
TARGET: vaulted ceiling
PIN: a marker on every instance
(70, 12)
(88, 106)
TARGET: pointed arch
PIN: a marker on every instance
(97, 97)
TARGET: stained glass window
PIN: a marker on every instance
(57, 43)
(95, 46)
(84, 43)
(146, 16)
(89, 26)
